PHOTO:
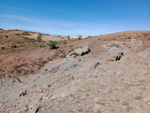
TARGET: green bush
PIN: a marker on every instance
(6, 36)
(64, 42)
(13, 46)
(52, 44)
(39, 38)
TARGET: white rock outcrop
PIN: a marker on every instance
(79, 52)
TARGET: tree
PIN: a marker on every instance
(39, 38)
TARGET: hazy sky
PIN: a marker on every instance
(80, 17)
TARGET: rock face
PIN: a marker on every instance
(79, 52)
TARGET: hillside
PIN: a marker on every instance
(100, 74)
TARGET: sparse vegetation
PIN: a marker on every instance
(39, 38)
(56, 54)
(145, 34)
(13, 46)
(33, 40)
(41, 63)
(30, 39)
(2, 48)
(20, 69)
(63, 55)
(52, 44)
(25, 33)
(18, 34)
(79, 38)
(6, 36)
(18, 42)
(64, 42)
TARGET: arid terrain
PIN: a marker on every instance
(100, 74)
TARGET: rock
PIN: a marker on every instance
(23, 93)
(115, 56)
(96, 109)
(2, 75)
(97, 64)
(147, 99)
(13, 80)
(118, 73)
(26, 108)
(37, 109)
(79, 52)
(136, 43)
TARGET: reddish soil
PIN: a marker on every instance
(11, 36)
(32, 60)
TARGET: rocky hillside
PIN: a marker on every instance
(102, 74)
(22, 54)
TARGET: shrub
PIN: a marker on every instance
(145, 34)
(64, 42)
(2, 48)
(33, 40)
(25, 33)
(79, 37)
(18, 34)
(6, 36)
(13, 46)
(52, 44)
(39, 38)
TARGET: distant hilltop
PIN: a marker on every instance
(71, 37)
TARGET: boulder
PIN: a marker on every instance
(79, 52)
(115, 56)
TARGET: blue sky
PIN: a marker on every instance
(75, 17)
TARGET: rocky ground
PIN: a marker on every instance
(105, 74)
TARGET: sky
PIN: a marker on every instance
(75, 17)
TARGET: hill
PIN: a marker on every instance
(100, 74)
